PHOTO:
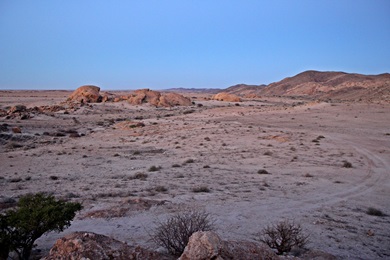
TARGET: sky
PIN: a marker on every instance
(160, 44)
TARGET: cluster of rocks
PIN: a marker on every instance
(22, 112)
(87, 245)
(201, 246)
(91, 94)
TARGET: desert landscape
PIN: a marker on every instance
(313, 148)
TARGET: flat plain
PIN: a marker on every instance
(132, 166)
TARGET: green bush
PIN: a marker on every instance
(35, 215)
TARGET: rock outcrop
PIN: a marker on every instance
(86, 94)
(208, 245)
(158, 99)
(174, 99)
(141, 96)
(224, 96)
(87, 245)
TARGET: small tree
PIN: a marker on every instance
(177, 230)
(35, 215)
(284, 236)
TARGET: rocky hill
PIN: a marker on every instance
(324, 85)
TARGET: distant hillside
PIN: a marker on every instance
(245, 90)
(324, 85)
(194, 90)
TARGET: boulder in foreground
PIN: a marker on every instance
(208, 245)
(86, 94)
(88, 245)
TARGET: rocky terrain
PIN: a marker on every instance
(249, 164)
(339, 86)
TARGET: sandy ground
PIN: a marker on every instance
(218, 147)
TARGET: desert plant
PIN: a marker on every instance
(35, 215)
(139, 175)
(347, 164)
(189, 161)
(201, 189)
(262, 171)
(174, 233)
(284, 236)
(154, 168)
(375, 212)
(161, 189)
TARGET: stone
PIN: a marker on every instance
(157, 99)
(88, 245)
(208, 245)
(224, 96)
(17, 109)
(86, 94)
(174, 99)
(16, 130)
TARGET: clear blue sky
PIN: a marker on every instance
(62, 44)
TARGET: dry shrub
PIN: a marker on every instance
(375, 212)
(347, 164)
(139, 175)
(174, 233)
(201, 189)
(284, 236)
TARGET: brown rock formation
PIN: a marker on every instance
(86, 94)
(207, 245)
(174, 99)
(224, 96)
(144, 96)
(83, 245)
(157, 99)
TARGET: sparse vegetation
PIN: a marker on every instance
(263, 171)
(139, 176)
(375, 212)
(200, 189)
(161, 189)
(189, 161)
(176, 165)
(347, 164)
(174, 233)
(35, 215)
(154, 168)
(284, 236)
(308, 175)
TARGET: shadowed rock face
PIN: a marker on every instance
(224, 96)
(157, 99)
(86, 94)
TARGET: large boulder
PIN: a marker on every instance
(144, 96)
(87, 245)
(174, 99)
(86, 94)
(207, 245)
(203, 245)
(224, 96)
(157, 99)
